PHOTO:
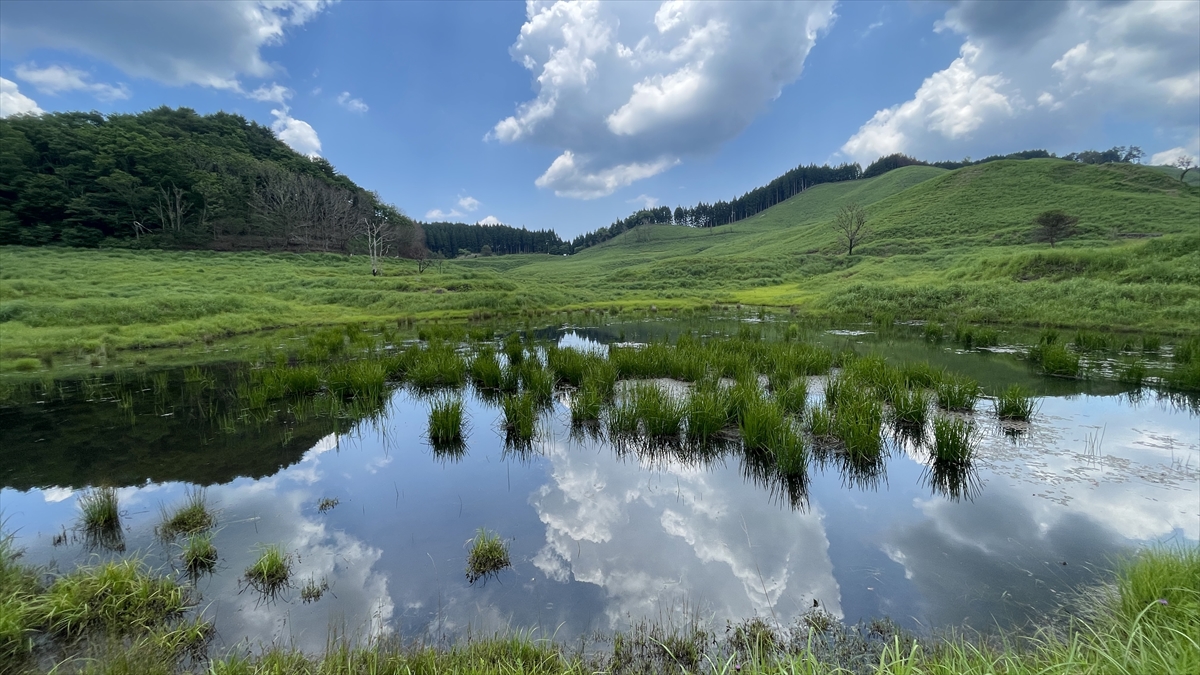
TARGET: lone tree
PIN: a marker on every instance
(1184, 164)
(851, 226)
(1053, 226)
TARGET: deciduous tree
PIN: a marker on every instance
(851, 226)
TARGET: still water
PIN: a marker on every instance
(603, 536)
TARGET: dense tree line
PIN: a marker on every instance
(453, 239)
(759, 199)
(171, 178)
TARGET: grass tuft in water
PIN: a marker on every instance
(446, 423)
(660, 413)
(706, 412)
(98, 510)
(1014, 403)
(271, 573)
(439, 365)
(199, 553)
(520, 418)
(486, 371)
(957, 392)
(587, 404)
(193, 516)
(857, 422)
(1053, 358)
(118, 597)
(793, 396)
(312, 590)
(910, 408)
(488, 556)
(953, 439)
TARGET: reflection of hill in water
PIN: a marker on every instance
(81, 444)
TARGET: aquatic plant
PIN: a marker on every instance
(520, 417)
(486, 371)
(327, 504)
(820, 421)
(957, 392)
(446, 422)
(660, 413)
(537, 380)
(120, 597)
(98, 510)
(192, 516)
(312, 590)
(271, 573)
(1014, 403)
(1054, 359)
(760, 424)
(706, 412)
(439, 365)
(488, 556)
(199, 554)
(933, 332)
(513, 349)
(910, 408)
(953, 439)
(623, 418)
(857, 422)
(586, 404)
(357, 379)
(793, 396)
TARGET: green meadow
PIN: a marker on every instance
(943, 246)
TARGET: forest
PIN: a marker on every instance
(171, 178)
(451, 240)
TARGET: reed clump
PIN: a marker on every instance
(363, 379)
(488, 556)
(520, 417)
(486, 371)
(910, 408)
(958, 393)
(953, 440)
(1053, 358)
(587, 404)
(706, 412)
(1014, 403)
(119, 597)
(438, 365)
(661, 414)
(446, 423)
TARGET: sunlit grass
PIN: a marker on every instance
(488, 556)
(194, 515)
(271, 572)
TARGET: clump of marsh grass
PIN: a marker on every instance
(194, 515)
(1014, 403)
(706, 412)
(271, 573)
(857, 422)
(1053, 358)
(486, 372)
(956, 392)
(623, 418)
(910, 408)
(953, 440)
(99, 510)
(488, 556)
(358, 379)
(586, 404)
(437, 366)
(327, 504)
(537, 380)
(1132, 373)
(520, 418)
(660, 413)
(760, 424)
(118, 597)
(793, 396)
(446, 424)
(199, 553)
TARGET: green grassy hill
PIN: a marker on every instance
(945, 245)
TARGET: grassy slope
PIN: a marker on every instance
(945, 245)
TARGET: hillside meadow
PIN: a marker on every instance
(943, 245)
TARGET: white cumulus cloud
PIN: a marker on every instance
(276, 93)
(13, 102)
(490, 220)
(1044, 74)
(468, 203)
(298, 134)
(182, 42)
(438, 214)
(627, 90)
(352, 104)
(58, 79)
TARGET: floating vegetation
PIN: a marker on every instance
(271, 573)
(327, 504)
(312, 590)
(488, 556)
(446, 424)
(191, 517)
(1014, 403)
(199, 553)
(1053, 358)
(953, 439)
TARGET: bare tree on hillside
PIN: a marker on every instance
(171, 207)
(851, 226)
(1053, 226)
(1184, 164)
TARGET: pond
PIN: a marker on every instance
(603, 534)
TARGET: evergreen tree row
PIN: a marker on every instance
(454, 239)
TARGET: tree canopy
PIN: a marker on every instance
(172, 178)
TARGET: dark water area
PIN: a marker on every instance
(603, 535)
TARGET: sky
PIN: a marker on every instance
(572, 115)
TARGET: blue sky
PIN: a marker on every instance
(572, 115)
